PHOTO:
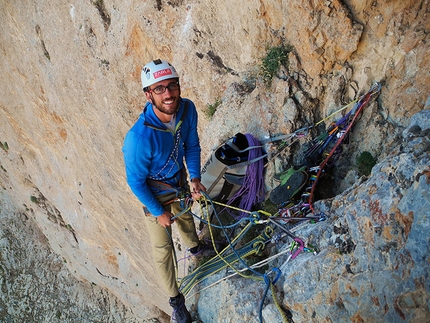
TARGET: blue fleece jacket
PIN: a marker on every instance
(151, 151)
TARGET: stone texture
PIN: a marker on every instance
(70, 91)
(373, 264)
(36, 285)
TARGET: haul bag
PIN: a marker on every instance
(224, 171)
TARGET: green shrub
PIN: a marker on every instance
(4, 146)
(271, 63)
(365, 162)
(211, 108)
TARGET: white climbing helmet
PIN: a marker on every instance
(156, 71)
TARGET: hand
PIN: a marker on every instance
(165, 219)
(196, 188)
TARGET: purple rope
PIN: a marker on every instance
(252, 190)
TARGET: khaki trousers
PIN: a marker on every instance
(162, 248)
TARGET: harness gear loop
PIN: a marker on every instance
(174, 194)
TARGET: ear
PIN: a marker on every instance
(148, 97)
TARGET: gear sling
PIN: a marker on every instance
(174, 193)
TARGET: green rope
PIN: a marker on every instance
(221, 261)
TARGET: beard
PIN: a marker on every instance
(168, 106)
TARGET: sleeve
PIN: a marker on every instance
(192, 143)
(137, 158)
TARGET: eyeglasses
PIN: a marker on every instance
(174, 86)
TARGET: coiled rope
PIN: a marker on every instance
(231, 255)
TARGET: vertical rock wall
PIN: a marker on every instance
(70, 91)
(36, 285)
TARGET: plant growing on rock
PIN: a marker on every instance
(4, 146)
(211, 108)
(271, 63)
(365, 162)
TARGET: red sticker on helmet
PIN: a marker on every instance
(166, 71)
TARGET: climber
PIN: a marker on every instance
(154, 152)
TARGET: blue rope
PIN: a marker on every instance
(268, 284)
(250, 219)
(228, 260)
(231, 246)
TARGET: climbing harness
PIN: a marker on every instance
(172, 194)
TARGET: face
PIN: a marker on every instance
(168, 102)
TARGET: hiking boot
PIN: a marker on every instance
(292, 182)
(180, 313)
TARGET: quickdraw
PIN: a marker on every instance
(233, 254)
(353, 115)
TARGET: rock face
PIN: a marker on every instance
(373, 264)
(70, 91)
(36, 284)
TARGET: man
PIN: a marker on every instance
(154, 152)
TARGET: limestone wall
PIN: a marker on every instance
(70, 91)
